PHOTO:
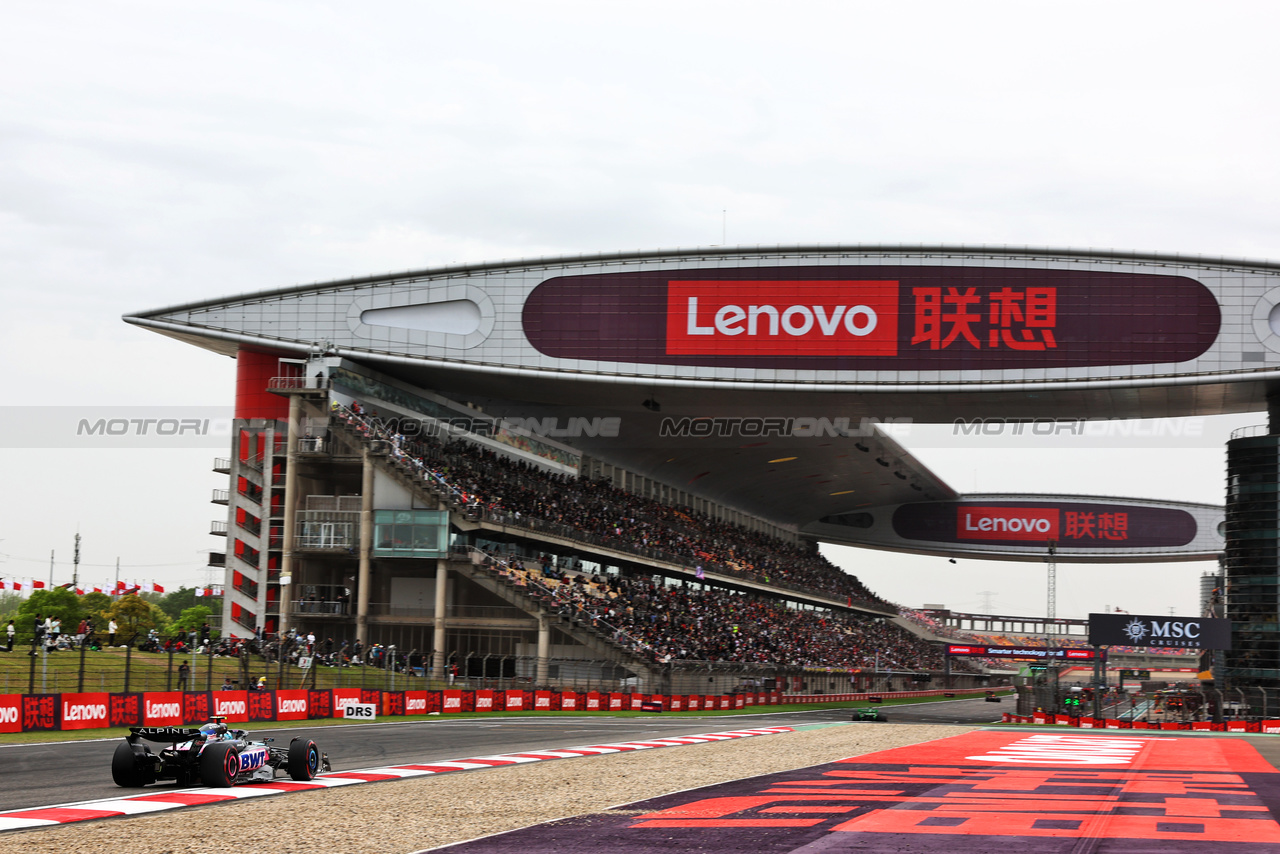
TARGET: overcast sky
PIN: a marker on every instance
(153, 153)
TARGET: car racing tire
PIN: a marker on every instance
(304, 759)
(124, 768)
(219, 765)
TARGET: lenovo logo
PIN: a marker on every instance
(1007, 523)
(79, 712)
(164, 710)
(782, 318)
(229, 707)
(8, 714)
(292, 706)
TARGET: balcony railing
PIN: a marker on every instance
(1251, 432)
(218, 529)
(311, 445)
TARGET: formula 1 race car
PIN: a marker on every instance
(212, 755)
(869, 713)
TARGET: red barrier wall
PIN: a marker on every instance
(26, 713)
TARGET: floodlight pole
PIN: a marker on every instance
(1051, 614)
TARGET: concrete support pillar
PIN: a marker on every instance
(438, 635)
(366, 550)
(290, 509)
(544, 651)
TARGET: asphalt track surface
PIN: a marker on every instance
(37, 775)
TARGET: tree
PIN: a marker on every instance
(191, 619)
(178, 601)
(134, 615)
(96, 606)
(58, 602)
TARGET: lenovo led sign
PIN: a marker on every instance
(873, 318)
(1068, 524)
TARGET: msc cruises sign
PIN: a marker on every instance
(1144, 630)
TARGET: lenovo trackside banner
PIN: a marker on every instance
(1022, 653)
(1144, 630)
(911, 318)
(1069, 524)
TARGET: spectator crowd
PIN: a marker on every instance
(484, 482)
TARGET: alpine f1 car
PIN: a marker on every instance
(211, 754)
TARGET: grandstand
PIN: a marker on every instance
(624, 463)
(544, 571)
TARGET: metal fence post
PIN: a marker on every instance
(80, 686)
(128, 664)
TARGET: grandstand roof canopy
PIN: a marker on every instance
(763, 378)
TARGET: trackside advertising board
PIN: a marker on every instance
(1146, 630)
(11, 713)
(85, 711)
(1022, 653)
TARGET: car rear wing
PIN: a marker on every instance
(170, 734)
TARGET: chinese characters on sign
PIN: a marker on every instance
(1097, 526)
(1008, 318)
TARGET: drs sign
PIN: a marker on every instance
(360, 711)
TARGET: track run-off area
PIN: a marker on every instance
(1037, 792)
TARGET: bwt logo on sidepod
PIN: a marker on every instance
(252, 759)
(1006, 523)
(782, 318)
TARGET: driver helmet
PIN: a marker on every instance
(213, 730)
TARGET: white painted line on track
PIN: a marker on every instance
(157, 801)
